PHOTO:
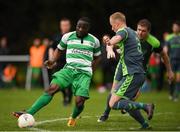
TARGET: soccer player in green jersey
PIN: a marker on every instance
(173, 48)
(131, 68)
(81, 49)
(149, 44)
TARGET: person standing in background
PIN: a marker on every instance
(4, 50)
(173, 48)
(64, 27)
(36, 51)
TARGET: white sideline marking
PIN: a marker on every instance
(63, 119)
(58, 119)
(38, 129)
(48, 121)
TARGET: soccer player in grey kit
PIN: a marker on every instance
(131, 67)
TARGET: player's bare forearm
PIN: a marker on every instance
(56, 55)
(51, 63)
(50, 53)
(109, 47)
(166, 60)
(114, 40)
(165, 49)
(168, 65)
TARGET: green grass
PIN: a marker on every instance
(167, 113)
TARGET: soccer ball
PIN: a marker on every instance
(26, 120)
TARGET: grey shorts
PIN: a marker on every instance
(129, 85)
(118, 73)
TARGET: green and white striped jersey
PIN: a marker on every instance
(80, 53)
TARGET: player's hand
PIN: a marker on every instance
(106, 39)
(170, 76)
(110, 52)
(118, 51)
(50, 64)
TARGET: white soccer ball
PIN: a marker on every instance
(26, 120)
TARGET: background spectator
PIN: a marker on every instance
(4, 50)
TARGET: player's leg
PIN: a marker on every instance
(176, 70)
(121, 86)
(81, 84)
(177, 87)
(78, 108)
(105, 115)
(136, 114)
(67, 96)
(59, 81)
(117, 78)
(108, 109)
(128, 89)
(63, 94)
(44, 99)
(172, 84)
(171, 90)
(133, 99)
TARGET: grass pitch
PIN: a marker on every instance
(54, 116)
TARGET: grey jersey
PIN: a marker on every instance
(173, 42)
(131, 57)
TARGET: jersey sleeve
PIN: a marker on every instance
(155, 43)
(168, 39)
(166, 43)
(123, 33)
(63, 43)
(97, 48)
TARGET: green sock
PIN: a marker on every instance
(77, 111)
(42, 101)
(128, 105)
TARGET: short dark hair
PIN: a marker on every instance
(177, 22)
(85, 19)
(145, 23)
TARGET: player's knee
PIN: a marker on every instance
(136, 96)
(80, 101)
(52, 89)
(111, 104)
